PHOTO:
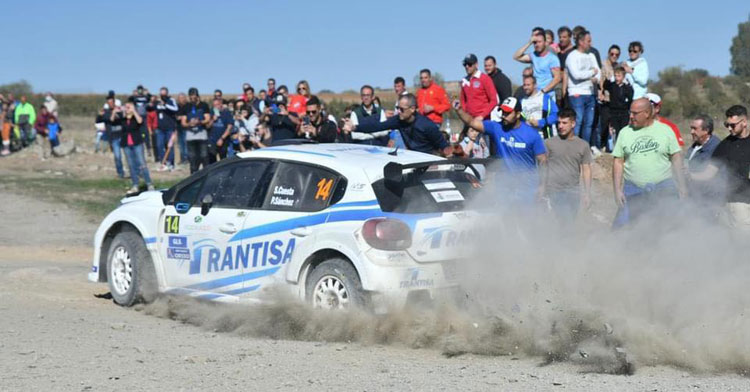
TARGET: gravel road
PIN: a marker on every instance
(60, 332)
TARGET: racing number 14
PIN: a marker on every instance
(324, 189)
(172, 224)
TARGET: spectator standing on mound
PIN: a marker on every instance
(51, 104)
(368, 113)
(583, 74)
(546, 64)
(619, 99)
(568, 160)
(539, 109)
(647, 167)
(637, 69)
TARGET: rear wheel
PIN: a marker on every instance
(334, 284)
(130, 270)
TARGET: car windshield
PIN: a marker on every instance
(427, 191)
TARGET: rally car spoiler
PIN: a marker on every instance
(393, 172)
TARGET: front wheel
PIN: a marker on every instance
(334, 284)
(130, 270)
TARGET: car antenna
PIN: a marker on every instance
(394, 152)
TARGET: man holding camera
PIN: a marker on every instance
(315, 126)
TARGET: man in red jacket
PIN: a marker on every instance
(432, 99)
(478, 94)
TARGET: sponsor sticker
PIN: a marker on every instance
(177, 241)
(446, 196)
(437, 184)
(178, 253)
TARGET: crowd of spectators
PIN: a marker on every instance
(572, 106)
(21, 122)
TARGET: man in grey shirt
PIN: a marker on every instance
(569, 159)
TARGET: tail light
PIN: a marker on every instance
(387, 234)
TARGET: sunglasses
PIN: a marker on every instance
(311, 112)
(729, 125)
(614, 54)
(633, 50)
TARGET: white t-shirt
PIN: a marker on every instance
(581, 67)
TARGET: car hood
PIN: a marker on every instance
(149, 197)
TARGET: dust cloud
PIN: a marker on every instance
(671, 290)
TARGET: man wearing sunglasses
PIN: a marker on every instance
(478, 94)
(417, 131)
(315, 126)
(732, 156)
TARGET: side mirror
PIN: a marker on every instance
(206, 203)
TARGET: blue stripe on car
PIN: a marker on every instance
(149, 240)
(242, 290)
(221, 282)
(299, 151)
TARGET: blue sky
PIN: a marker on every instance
(88, 46)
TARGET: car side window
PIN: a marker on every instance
(299, 187)
(188, 194)
(235, 185)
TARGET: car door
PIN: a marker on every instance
(198, 228)
(282, 230)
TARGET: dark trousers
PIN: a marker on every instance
(214, 150)
(198, 154)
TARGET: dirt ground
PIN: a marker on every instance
(60, 332)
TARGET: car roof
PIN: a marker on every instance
(342, 157)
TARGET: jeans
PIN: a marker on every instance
(184, 157)
(99, 137)
(198, 154)
(162, 141)
(565, 204)
(583, 105)
(647, 201)
(137, 163)
(117, 152)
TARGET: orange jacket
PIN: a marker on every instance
(436, 97)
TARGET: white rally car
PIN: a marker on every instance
(339, 224)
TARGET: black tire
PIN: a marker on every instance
(142, 286)
(340, 270)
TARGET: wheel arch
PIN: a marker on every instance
(315, 259)
(109, 236)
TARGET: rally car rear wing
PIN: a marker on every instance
(393, 172)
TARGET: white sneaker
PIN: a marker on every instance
(162, 168)
(150, 187)
(132, 191)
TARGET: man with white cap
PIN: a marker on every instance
(656, 103)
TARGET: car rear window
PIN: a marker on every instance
(427, 191)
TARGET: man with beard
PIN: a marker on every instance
(647, 166)
(316, 126)
(732, 157)
(519, 147)
(545, 63)
(195, 117)
(418, 132)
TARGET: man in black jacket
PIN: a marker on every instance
(315, 126)
(499, 79)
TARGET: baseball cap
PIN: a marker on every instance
(510, 104)
(653, 98)
(470, 59)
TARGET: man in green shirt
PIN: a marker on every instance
(648, 155)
